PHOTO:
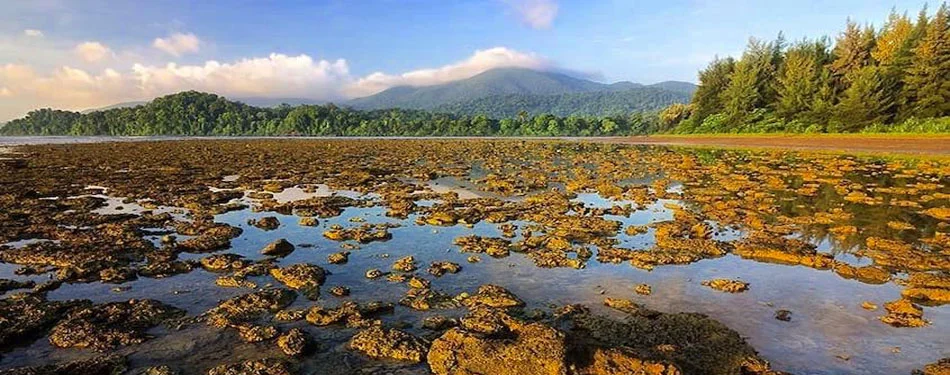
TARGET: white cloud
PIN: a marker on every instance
(33, 33)
(65, 87)
(538, 14)
(92, 51)
(178, 44)
(479, 62)
(275, 75)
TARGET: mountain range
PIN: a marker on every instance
(505, 92)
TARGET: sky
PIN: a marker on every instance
(81, 54)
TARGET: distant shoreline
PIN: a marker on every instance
(915, 144)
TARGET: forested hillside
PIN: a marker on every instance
(597, 103)
(194, 113)
(895, 78)
(504, 92)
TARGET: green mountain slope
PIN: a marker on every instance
(598, 103)
(506, 91)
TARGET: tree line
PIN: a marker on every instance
(895, 78)
(585, 104)
(194, 113)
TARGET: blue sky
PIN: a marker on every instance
(93, 52)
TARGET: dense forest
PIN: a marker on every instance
(597, 103)
(194, 113)
(890, 79)
(505, 92)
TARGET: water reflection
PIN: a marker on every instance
(827, 325)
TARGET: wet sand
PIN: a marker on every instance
(922, 144)
(935, 144)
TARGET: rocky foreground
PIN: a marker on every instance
(286, 316)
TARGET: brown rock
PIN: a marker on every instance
(438, 269)
(223, 262)
(726, 285)
(293, 342)
(266, 223)
(256, 333)
(405, 264)
(643, 289)
(380, 343)
(533, 349)
(278, 248)
(493, 296)
(249, 307)
(109, 325)
(941, 367)
(266, 366)
(903, 313)
(620, 362)
(338, 258)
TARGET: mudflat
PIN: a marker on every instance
(923, 144)
(461, 256)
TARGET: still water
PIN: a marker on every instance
(829, 332)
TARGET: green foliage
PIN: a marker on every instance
(894, 79)
(927, 83)
(503, 92)
(802, 84)
(712, 81)
(863, 103)
(198, 114)
(598, 103)
(750, 84)
(674, 114)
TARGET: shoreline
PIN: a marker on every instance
(910, 144)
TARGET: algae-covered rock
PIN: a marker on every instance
(249, 307)
(256, 333)
(107, 326)
(903, 313)
(350, 313)
(532, 349)
(726, 285)
(338, 258)
(293, 342)
(104, 365)
(303, 276)
(223, 262)
(278, 248)
(493, 296)
(266, 366)
(27, 317)
(266, 223)
(405, 264)
(941, 367)
(623, 362)
(438, 269)
(380, 343)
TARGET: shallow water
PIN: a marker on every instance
(829, 332)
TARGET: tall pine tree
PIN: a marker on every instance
(892, 52)
(864, 103)
(927, 82)
(799, 79)
(852, 52)
(750, 85)
(712, 82)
